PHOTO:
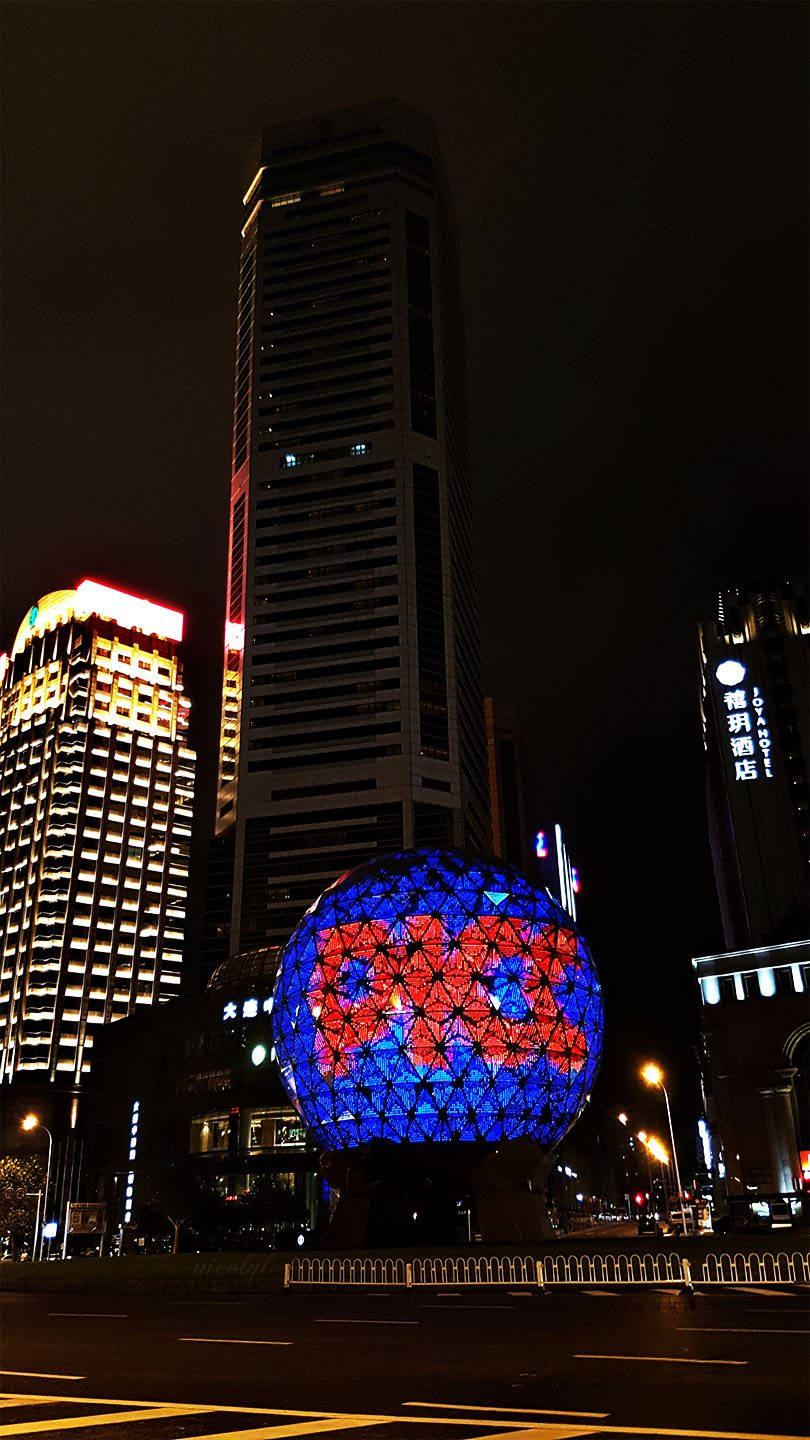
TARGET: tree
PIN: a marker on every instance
(171, 1193)
(21, 1176)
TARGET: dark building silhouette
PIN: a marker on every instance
(352, 714)
(510, 800)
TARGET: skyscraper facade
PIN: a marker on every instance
(96, 794)
(352, 705)
(755, 699)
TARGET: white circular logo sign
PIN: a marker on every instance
(730, 672)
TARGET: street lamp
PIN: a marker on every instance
(33, 1122)
(654, 1147)
(653, 1075)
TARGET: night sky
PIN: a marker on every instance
(630, 182)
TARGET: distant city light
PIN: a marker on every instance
(540, 846)
(258, 1054)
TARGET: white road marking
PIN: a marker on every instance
(510, 1410)
(210, 1340)
(428, 1306)
(42, 1375)
(607, 1294)
(523, 1294)
(757, 1290)
(84, 1315)
(206, 1302)
(739, 1330)
(366, 1322)
(662, 1360)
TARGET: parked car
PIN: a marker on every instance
(694, 1219)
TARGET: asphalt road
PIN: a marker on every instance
(407, 1365)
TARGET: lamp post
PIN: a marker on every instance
(654, 1147)
(654, 1075)
(33, 1122)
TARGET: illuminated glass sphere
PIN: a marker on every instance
(429, 997)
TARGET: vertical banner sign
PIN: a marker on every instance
(746, 724)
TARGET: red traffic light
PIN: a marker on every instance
(639, 1199)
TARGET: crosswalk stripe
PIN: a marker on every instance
(41, 1375)
(325, 1427)
(17, 1402)
(78, 1422)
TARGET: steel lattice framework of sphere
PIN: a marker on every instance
(429, 997)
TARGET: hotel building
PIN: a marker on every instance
(352, 716)
(96, 794)
(755, 694)
(755, 699)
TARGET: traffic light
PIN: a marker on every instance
(639, 1199)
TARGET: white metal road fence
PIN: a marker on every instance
(767, 1267)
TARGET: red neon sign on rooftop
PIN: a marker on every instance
(133, 611)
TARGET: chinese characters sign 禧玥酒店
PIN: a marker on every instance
(749, 736)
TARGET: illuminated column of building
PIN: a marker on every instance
(96, 795)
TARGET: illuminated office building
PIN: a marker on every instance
(96, 794)
(755, 698)
(352, 714)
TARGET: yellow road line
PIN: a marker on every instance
(13, 1402)
(42, 1375)
(119, 1417)
(157, 1409)
(536, 1410)
(659, 1431)
(326, 1426)
(662, 1359)
(739, 1330)
(545, 1432)
(211, 1340)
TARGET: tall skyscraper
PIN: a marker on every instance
(96, 794)
(755, 689)
(352, 705)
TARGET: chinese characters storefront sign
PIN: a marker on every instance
(247, 1009)
(749, 736)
